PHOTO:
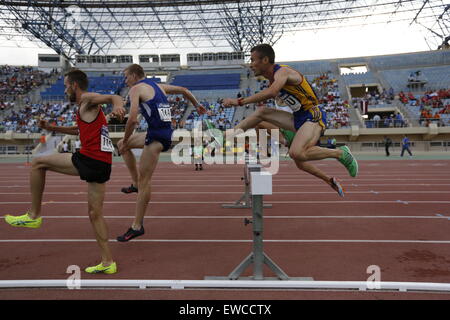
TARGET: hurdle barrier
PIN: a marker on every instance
(257, 183)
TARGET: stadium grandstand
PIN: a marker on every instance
(205, 46)
(411, 96)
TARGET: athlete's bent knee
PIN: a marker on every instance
(38, 163)
(300, 165)
(299, 155)
(263, 112)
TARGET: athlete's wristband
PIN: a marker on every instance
(240, 101)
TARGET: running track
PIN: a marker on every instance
(395, 215)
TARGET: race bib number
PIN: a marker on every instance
(106, 144)
(165, 112)
(291, 101)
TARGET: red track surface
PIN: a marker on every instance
(395, 215)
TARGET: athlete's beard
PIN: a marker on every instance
(72, 97)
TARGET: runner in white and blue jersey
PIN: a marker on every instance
(157, 112)
(149, 99)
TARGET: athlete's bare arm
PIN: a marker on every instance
(281, 77)
(91, 100)
(137, 93)
(72, 130)
(169, 89)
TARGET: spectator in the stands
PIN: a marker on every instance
(376, 120)
(399, 120)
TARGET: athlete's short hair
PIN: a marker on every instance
(265, 50)
(79, 77)
(136, 70)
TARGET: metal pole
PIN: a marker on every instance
(258, 250)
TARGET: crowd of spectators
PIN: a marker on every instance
(5, 105)
(15, 81)
(18, 80)
(432, 105)
(179, 106)
(394, 120)
(327, 90)
(26, 120)
(215, 113)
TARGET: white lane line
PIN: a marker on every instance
(238, 192)
(438, 216)
(235, 179)
(231, 241)
(218, 173)
(226, 201)
(209, 176)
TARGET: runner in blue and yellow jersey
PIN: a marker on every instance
(307, 119)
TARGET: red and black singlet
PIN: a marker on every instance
(94, 138)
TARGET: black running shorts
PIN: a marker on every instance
(91, 170)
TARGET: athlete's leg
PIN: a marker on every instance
(304, 146)
(136, 141)
(61, 162)
(278, 118)
(147, 165)
(269, 127)
(96, 195)
(304, 149)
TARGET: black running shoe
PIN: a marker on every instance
(129, 189)
(131, 234)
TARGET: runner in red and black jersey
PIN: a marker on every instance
(92, 162)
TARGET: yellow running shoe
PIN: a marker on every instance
(112, 268)
(23, 221)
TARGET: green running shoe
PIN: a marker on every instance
(23, 221)
(288, 135)
(100, 268)
(349, 161)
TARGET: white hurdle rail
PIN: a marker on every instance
(258, 183)
(362, 286)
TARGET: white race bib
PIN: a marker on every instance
(165, 112)
(291, 101)
(106, 144)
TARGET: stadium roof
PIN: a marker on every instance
(97, 27)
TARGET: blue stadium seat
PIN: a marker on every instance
(208, 81)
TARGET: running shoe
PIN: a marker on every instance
(131, 234)
(215, 133)
(288, 136)
(23, 221)
(349, 161)
(112, 268)
(337, 186)
(129, 189)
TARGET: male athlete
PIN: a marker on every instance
(137, 139)
(92, 163)
(150, 98)
(308, 120)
